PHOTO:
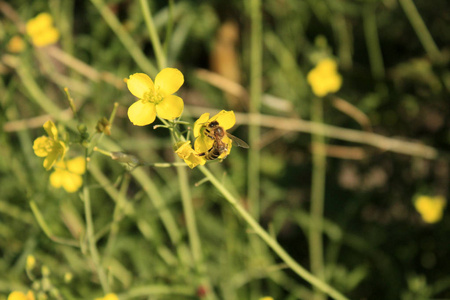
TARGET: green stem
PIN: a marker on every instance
(91, 235)
(125, 38)
(160, 58)
(271, 242)
(317, 195)
(373, 43)
(255, 104)
(421, 30)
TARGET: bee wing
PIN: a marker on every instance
(238, 141)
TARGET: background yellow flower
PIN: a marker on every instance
(431, 209)
(68, 174)
(21, 296)
(110, 296)
(42, 31)
(49, 146)
(155, 98)
(324, 78)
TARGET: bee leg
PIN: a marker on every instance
(201, 154)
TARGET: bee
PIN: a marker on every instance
(216, 132)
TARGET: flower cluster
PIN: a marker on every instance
(203, 142)
(324, 78)
(66, 174)
(41, 30)
(431, 209)
(157, 99)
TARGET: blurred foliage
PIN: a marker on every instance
(377, 247)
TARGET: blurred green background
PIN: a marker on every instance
(394, 62)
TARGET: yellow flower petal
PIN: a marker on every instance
(141, 114)
(169, 80)
(170, 108)
(76, 165)
(20, 296)
(51, 129)
(189, 156)
(199, 123)
(71, 182)
(111, 296)
(139, 84)
(226, 119)
(45, 38)
(203, 144)
(41, 146)
(57, 153)
(39, 23)
(56, 178)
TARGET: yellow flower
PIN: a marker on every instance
(49, 146)
(16, 44)
(41, 30)
(155, 98)
(110, 296)
(324, 78)
(203, 143)
(21, 296)
(266, 298)
(68, 174)
(31, 262)
(190, 157)
(431, 209)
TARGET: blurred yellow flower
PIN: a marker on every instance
(21, 296)
(155, 98)
(431, 209)
(266, 298)
(49, 146)
(190, 157)
(110, 296)
(324, 78)
(203, 143)
(16, 44)
(31, 262)
(67, 174)
(42, 31)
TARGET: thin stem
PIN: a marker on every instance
(255, 103)
(169, 29)
(271, 242)
(160, 58)
(373, 43)
(125, 38)
(317, 195)
(421, 30)
(91, 235)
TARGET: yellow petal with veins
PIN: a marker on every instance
(141, 114)
(169, 80)
(139, 84)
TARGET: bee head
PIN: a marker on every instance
(213, 124)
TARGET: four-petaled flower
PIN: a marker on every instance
(16, 295)
(324, 78)
(203, 143)
(67, 174)
(431, 209)
(155, 98)
(49, 146)
(41, 30)
(110, 296)
(189, 155)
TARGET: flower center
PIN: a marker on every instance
(153, 96)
